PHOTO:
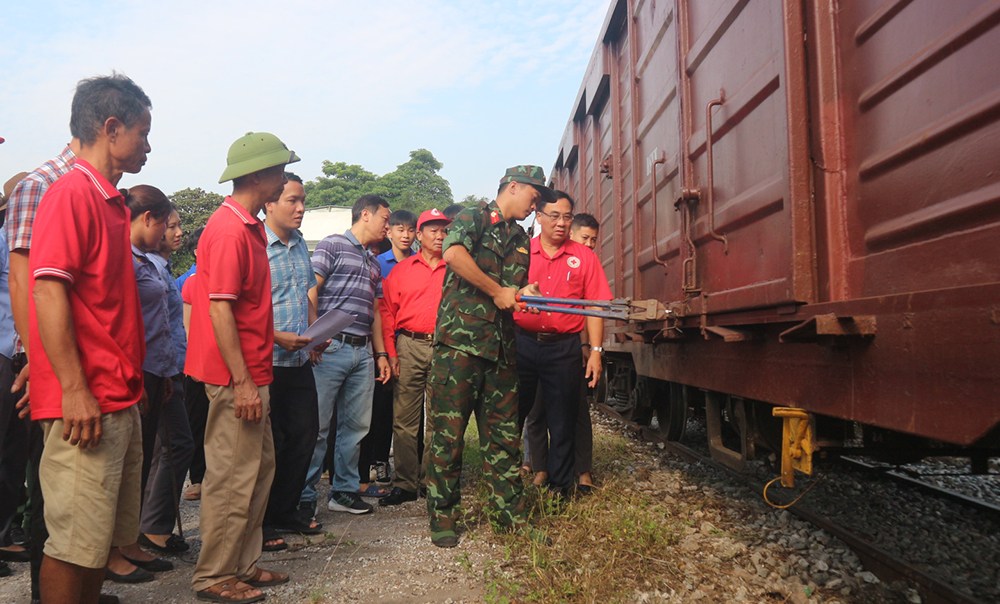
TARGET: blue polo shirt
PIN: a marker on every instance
(387, 261)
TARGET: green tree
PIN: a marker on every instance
(471, 200)
(416, 184)
(341, 184)
(194, 206)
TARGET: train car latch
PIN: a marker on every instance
(797, 443)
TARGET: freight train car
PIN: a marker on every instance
(811, 190)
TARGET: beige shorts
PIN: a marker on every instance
(92, 496)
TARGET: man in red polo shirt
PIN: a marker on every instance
(86, 344)
(548, 344)
(410, 299)
(229, 349)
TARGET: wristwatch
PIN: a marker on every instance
(381, 355)
(599, 349)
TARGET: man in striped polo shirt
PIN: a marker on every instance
(350, 280)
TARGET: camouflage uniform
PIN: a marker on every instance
(473, 371)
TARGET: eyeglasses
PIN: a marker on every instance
(557, 217)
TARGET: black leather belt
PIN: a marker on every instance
(546, 336)
(416, 335)
(347, 338)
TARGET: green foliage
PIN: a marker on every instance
(414, 185)
(341, 184)
(472, 200)
(195, 206)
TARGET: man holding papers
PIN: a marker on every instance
(294, 411)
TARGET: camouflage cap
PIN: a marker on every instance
(529, 175)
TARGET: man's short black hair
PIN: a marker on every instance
(193, 237)
(453, 210)
(103, 97)
(292, 176)
(557, 195)
(584, 220)
(402, 217)
(367, 202)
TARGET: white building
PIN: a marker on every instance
(319, 223)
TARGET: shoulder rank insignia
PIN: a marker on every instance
(494, 217)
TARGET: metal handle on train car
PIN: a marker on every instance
(656, 240)
(709, 190)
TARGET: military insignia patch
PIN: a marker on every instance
(573, 262)
(494, 217)
(522, 250)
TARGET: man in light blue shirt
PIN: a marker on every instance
(294, 410)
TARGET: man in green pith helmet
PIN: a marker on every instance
(472, 369)
(229, 350)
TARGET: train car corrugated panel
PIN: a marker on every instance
(658, 146)
(738, 54)
(921, 92)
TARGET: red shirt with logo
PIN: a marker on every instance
(232, 266)
(411, 295)
(81, 236)
(574, 271)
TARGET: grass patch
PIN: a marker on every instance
(605, 546)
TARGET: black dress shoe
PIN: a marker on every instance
(156, 565)
(8, 555)
(397, 496)
(174, 545)
(139, 575)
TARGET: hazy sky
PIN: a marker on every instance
(483, 85)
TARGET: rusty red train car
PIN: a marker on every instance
(811, 188)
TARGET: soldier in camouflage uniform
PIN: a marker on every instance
(473, 367)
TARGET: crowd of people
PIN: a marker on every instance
(140, 382)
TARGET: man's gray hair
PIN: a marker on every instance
(102, 97)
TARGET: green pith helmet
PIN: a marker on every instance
(255, 152)
(529, 175)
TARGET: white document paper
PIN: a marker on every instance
(326, 327)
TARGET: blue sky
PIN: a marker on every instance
(483, 85)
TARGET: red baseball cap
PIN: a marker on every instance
(433, 215)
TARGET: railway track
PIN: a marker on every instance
(883, 564)
(898, 476)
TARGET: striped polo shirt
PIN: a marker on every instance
(352, 279)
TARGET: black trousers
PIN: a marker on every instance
(196, 404)
(170, 464)
(13, 451)
(555, 369)
(295, 426)
(375, 446)
(151, 422)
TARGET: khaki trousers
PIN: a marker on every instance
(239, 468)
(408, 410)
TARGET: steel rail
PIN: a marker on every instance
(916, 483)
(884, 565)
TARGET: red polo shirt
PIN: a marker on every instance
(411, 295)
(232, 265)
(573, 272)
(81, 236)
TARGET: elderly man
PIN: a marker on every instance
(229, 350)
(86, 345)
(411, 296)
(472, 369)
(548, 344)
